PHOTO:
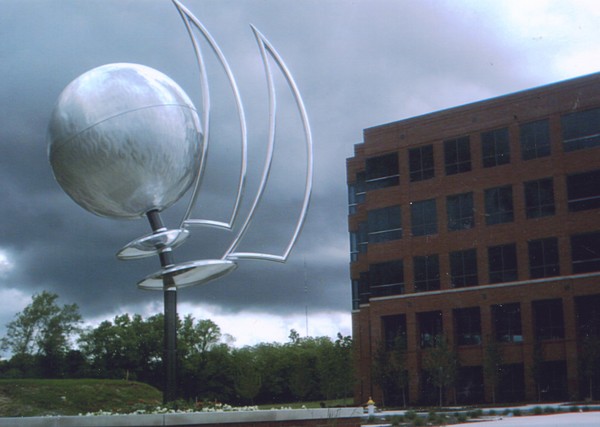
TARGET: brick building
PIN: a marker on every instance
(480, 226)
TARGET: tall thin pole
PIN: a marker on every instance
(170, 344)
(170, 315)
(306, 297)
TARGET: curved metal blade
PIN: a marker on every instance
(189, 19)
(266, 50)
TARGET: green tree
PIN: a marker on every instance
(248, 379)
(441, 362)
(294, 336)
(129, 347)
(206, 369)
(304, 368)
(334, 366)
(303, 374)
(398, 358)
(209, 376)
(383, 371)
(492, 363)
(536, 368)
(344, 346)
(274, 362)
(197, 338)
(43, 329)
(590, 360)
(23, 366)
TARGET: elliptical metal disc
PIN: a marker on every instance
(151, 243)
(188, 274)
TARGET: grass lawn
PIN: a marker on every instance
(21, 398)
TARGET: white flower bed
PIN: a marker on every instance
(218, 407)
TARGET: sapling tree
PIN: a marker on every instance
(442, 364)
(492, 362)
(590, 360)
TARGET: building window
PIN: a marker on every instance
(463, 268)
(502, 263)
(386, 278)
(353, 246)
(581, 130)
(358, 241)
(535, 139)
(459, 209)
(363, 237)
(583, 191)
(423, 217)
(363, 289)
(469, 385)
(539, 198)
(430, 328)
(467, 326)
(543, 258)
(507, 322)
(427, 273)
(548, 319)
(356, 193)
(585, 252)
(384, 224)
(495, 148)
(355, 295)
(553, 381)
(428, 392)
(511, 387)
(352, 199)
(587, 313)
(394, 331)
(382, 171)
(499, 205)
(457, 155)
(420, 163)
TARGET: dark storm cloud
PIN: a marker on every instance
(357, 64)
(57, 244)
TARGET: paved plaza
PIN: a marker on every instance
(587, 416)
(576, 419)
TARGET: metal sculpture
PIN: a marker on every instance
(125, 141)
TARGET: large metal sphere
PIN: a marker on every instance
(124, 139)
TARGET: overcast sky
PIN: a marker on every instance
(357, 63)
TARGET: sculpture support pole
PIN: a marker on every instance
(170, 351)
(170, 315)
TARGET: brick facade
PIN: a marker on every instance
(519, 219)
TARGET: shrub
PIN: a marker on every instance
(537, 410)
(476, 413)
(410, 415)
(434, 418)
(396, 419)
